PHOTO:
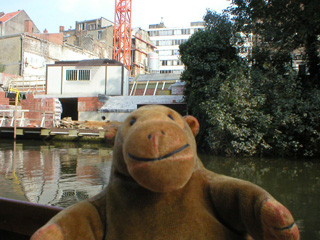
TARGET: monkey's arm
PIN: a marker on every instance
(247, 208)
(79, 221)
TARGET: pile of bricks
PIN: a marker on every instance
(69, 124)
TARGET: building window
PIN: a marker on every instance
(165, 71)
(179, 41)
(71, 75)
(164, 42)
(92, 26)
(185, 31)
(81, 75)
(84, 75)
(177, 32)
(82, 26)
(99, 35)
(175, 52)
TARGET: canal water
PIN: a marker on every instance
(64, 173)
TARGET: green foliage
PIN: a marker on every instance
(247, 110)
(206, 54)
(210, 51)
(236, 118)
(283, 26)
(292, 130)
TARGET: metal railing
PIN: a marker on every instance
(155, 86)
(8, 113)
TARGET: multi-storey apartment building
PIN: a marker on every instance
(94, 35)
(167, 41)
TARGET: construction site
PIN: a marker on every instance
(73, 82)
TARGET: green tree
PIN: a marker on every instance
(238, 124)
(284, 26)
(262, 109)
(294, 128)
(206, 54)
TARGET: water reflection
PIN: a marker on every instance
(51, 174)
(61, 174)
(296, 183)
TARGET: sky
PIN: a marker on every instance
(50, 14)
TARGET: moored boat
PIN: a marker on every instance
(19, 220)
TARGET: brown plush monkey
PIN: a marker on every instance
(159, 190)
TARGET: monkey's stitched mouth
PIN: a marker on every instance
(159, 158)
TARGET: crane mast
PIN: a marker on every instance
(122, 32)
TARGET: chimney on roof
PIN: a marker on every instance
(1, 14)
(45, 31)
(61, 28)
(28, 26)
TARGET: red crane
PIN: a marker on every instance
(122, 32)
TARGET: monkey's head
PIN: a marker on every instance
(156, 147)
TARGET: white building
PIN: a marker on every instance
(87, 78)
(83, 86)
(167, 41)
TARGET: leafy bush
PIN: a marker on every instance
(247, 110)
(235, 116)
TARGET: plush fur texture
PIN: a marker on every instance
(159, 189)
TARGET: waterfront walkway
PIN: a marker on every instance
(38, 132)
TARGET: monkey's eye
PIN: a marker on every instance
(170, 117)
(132, 121)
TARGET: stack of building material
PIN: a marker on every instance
(68, 123)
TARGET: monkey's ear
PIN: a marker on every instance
(193, 124)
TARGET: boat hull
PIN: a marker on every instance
(19, 220)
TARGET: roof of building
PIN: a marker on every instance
(8, 16)
(91, 20)
(158, 77)
(90, 62)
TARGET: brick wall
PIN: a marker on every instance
(3, 99)
(51, 37)
(8, 115)
(89, 104)
(37, 108)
